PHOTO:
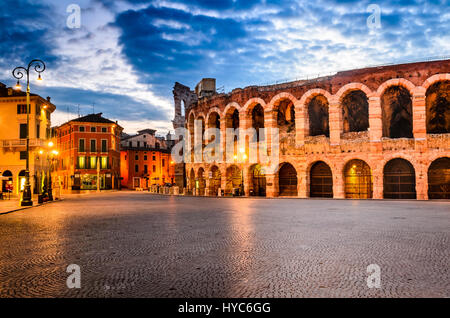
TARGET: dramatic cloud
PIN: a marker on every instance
(127, 55)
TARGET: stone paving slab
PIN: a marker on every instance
(135, 244)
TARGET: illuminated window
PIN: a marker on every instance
(104, 163)
(81, 162)
(93, 163)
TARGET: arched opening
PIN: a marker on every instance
(214, 123)
(358, 180)
(439, 179)
(318, 116)
(7, 181)
(438, 108)
(191, 142)
(355, 111)
(183, 107)
(257, 181)
(321, 181)
(192, 181)
(285, 116)
(399, 180)
(232, 121)
(201, 181)
(214, 182)
(234, 179)
(201, 139)
(257, 114)
(396, 105)
(287, 180)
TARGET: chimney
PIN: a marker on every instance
(48, 99)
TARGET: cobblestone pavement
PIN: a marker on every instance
(131, 244)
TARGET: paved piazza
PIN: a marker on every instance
(134, 244)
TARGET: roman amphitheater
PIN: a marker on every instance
(379, 132)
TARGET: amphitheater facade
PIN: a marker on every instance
(372, 133)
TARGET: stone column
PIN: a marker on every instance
(375, 123)
(419, 118)
(269, 123)
(245, 171)
(207, 182)
(301, 130)
(302, 184)
(335, 118)
(222, 138)
(271, 188)
(377, 175)
(338, 183)
(223, 176)
(421, 180)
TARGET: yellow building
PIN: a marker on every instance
(13, 124)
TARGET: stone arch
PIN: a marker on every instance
(437, 101)
(399, 179)
(396, 82)
(233, 179)
(214, 111)
(358, 180)
(320, 180)
(439, 179)
(344, 90)
(281, 96)
(229, 106)
(287, 180)
(214, 180)
(435, 78)
(257, 180)
(397, 115)
(253, 102)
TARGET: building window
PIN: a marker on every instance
(93, 163)
(81, 128)
(104, 163)
(145, 144)
(136, 168)
(38, 131)
(136, 157)
(93, 145)
(138, 144)
(21, 109)
(81, 145)
(23, 155)
(163, 162)
(154, 158)
(81, 162)
(154, 168)
(104, 145)
(145, 169)
(130, 144)
(38, 109)
(103, 129)
(145, 157)
(23, 131)
(92, 129)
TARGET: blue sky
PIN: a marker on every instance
(126, 56)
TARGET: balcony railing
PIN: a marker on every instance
(21, 143)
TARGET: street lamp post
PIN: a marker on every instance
(18, 73)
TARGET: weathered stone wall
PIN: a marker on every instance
(302, 150)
